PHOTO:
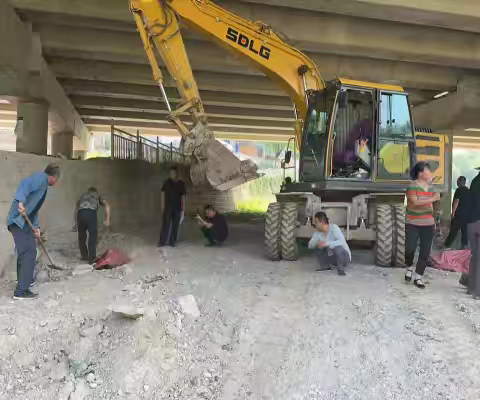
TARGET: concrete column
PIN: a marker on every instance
(32, 127)
(446, 200)
(62, 144)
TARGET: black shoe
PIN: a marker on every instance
(325, 268)
(464, 280)
(341, 272)
(419, 283)
(28, 295)
(210, 244)
(408, 276)
(161, 245)
(172, 244)
(33, 284)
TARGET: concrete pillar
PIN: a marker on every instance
(62, 144)
(446, 200)
(32, 127)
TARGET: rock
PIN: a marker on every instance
(189, 306)
(43, 324)
(81, 391)
(92, 385)
(227, 347)
(92, 331)
(66, 391)
(128, 311)
(90, 377)
(59, 371)
(82, 270)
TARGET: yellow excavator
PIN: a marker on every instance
(356, 139)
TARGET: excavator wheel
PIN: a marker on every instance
(384, 244)
(273, 229)
(289, 235)
(399, 235)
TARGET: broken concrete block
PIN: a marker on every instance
(188, 305)
(82, 269)
(128, 311)
(92, 331)
(81, 390)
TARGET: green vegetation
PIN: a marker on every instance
(255, 196)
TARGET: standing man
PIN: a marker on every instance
(474, 238)
(460, 211)
(330, 246)
(28, 200)
(215, 228)
(86, 215)
(173, 205)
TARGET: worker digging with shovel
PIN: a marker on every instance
(26, 204)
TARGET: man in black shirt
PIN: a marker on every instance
(215, 228)
(460, 213)
(474, 239)
(173, 202)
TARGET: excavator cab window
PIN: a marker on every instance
(352, 137)
(315, 136)
(395, 138)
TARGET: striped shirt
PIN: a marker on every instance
(419, 215)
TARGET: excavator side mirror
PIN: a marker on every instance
(288, 156)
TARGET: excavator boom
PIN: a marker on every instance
(159, 28)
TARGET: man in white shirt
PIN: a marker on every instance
(331, 248)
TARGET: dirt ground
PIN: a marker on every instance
(265, 330)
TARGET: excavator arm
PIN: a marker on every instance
(159, 27)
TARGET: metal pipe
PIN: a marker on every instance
(165, 96)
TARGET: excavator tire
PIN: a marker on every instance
(399, 235)
(273, 229)
(384, 244)
(289, 235)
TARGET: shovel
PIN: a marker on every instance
(52, 264)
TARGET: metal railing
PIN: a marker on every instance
(125, 146)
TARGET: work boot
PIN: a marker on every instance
(324, 268)
(341, 272)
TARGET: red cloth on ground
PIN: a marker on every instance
(112, 258)
(452, 260)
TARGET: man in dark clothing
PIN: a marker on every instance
(173, 203)
(86, 216)
(28, 200)
(474, 238)
(215, 228)
(460, 213)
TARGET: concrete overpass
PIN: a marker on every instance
(86, 61)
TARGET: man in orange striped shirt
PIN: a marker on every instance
(420, 222)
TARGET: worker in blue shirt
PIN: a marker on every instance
(28, 200)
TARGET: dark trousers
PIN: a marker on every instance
(457, 225)
(414, 233)
(209, 234)
(474, 276)
(170, 223)
(87, 222)
(337, 257)
(26, 255)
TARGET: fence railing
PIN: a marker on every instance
(125, 146)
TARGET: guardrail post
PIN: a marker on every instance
(171, 151)
(139, 146)
(158, 151)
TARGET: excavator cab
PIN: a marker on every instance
(357, 134)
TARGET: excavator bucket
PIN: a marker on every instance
(216, 165)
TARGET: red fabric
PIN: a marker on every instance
(112, 258)
(452, 260)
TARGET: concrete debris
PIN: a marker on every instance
(42, 276)
(66, 391)
(188, 306)
(82, 270)
(81, 390)
(128, 311)
(92, 331)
